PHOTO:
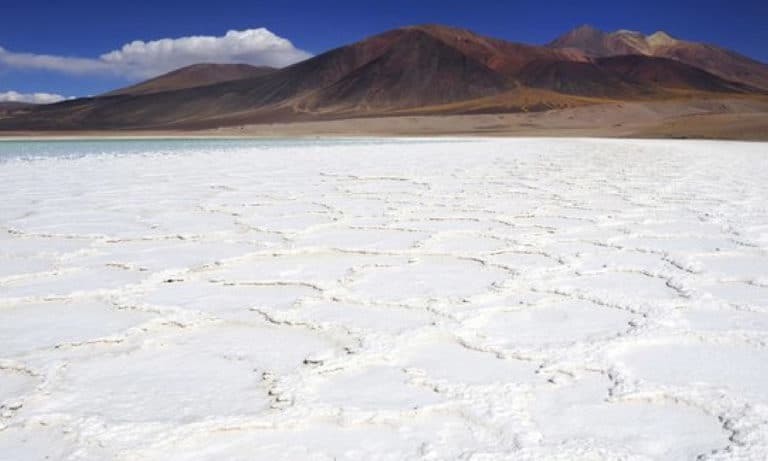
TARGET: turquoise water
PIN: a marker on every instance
(39, 149)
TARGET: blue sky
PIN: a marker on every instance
(56, 46)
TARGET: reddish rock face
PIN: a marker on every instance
(719, 61)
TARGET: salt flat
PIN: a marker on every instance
(561, 299)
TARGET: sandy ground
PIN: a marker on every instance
(492, 299)
(736, 119)
(730, 119)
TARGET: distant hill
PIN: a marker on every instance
(8, 108)
(10, 105)
(193, 76)
(719, 61)
(428, 69)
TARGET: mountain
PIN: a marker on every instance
(718, 61)
(426, 69)
(193, 76)
(667, 73)
(8, 108)
(13, 105)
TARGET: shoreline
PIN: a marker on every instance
(192, 136)
(727, 119)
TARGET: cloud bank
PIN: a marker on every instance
(35, 98)
(140, 59)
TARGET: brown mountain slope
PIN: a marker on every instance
(576, 78)
(501, 56)
(626, 76)
(413, 69)
(418, 70)
(719, 61)
(667, 73)
(193, 76)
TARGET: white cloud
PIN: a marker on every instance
(54, 63)
(36, 98)
(141, 59)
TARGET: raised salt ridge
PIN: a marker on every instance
(400, 300)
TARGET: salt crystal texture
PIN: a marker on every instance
(483, 299)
